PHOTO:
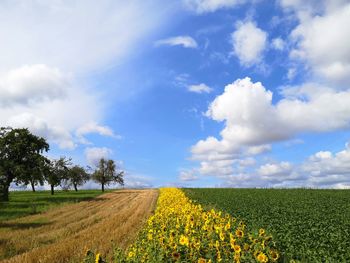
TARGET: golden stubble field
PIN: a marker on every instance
(64, 234)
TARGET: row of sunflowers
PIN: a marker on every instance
(182, 231)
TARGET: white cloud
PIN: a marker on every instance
(291, 73)
(275, 169)
(200, 88)
(249, 43)
(205, 6)
(323, 169)
(278, 44)
(327, 168)
(258, 149)
(94, 154)
(93, 127)
(320, 33)
(185, 41)
(46, 101)
(188, 175)
(137, 181)
(216, 167)
(48, 48)
(252, 122)
(40, 127)
(32, 84)
(75, 36)
(246, 162)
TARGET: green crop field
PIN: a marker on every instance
(308, 225)
(24, 203)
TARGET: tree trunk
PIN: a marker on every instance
(52, 189)
(75, 187)
(33, 186)
(103, 187)
(4, 194)
(4, 187)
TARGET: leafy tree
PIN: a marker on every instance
(34, 173)
(77, 176)
(20, 152)
(56, 171)
(106, 174)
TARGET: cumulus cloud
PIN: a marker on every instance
(252, 122)
(323, 169)
(47, 101)
(188, 175)
(205, 6)
(249, 43)
(94, 154)
(321, 31)
(32, 84)
(137, 181)
(328, 169)
(278, 43)
(93, 127)
(200, 88)
(185, 41)
(275, 169)
(40, 127)
(47, 48)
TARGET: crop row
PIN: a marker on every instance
(308, 225)
(182, 231)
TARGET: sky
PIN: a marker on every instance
(188, 93)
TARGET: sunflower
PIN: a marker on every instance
(98, 258)
(262, 257)
(202, 260)
(261, 232)
(237, 248)
(222, 236)
(246, 247)
(176, 255)
(239, 233)
(274, 255)
(184, 240)
(131, 254)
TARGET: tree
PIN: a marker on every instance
(20, 152)
(56, 171)
(34, 173)
(106, 174)
(77, 176)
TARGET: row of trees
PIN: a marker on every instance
(22, 162)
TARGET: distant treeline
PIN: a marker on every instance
(22, 162)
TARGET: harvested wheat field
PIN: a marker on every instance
(64, 234)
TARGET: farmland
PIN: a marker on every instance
(65, 233)
(307, 225)
(181, 231)
(24, 203)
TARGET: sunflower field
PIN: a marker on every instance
(182, 231)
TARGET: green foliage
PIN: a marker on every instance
(77, 176)
(106, 173)
(20, 158)
(56, 171)
(24, 203)
(307, 225)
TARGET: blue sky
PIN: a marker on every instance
(217, 93)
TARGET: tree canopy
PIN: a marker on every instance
(20, 158)
(56, 171)
(106, 173)
(77, 176)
